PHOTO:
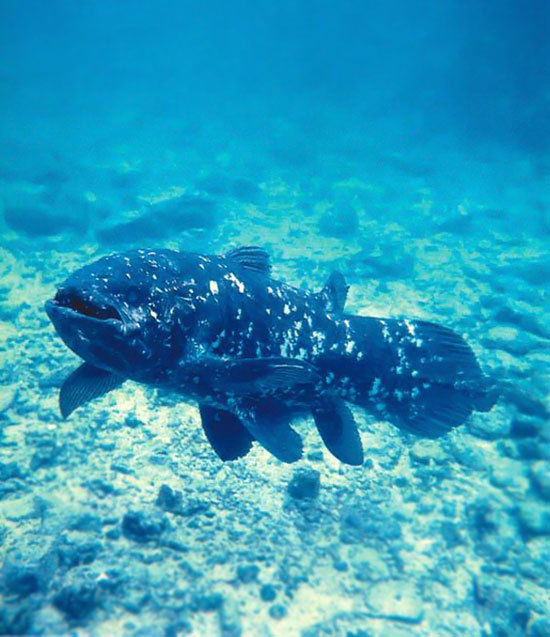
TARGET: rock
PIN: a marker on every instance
(76, 601)
(360, 522)
(207, 602)
(500, 605)
(391, 264)
(340, 221)
(482, 518)
(230, 620)
(396, 600)
(540, 627)
(524, 403)
(242, 189)
(45, 456)
(426, 451)
(304, 484)
(523, 320)
(71, 555)
(268, 593)
(178, 628)
(451, 535)
(15, 620)
(533, 449)
(133, 422)
(9, 470)
(278, 611)
(142, 527)
(245, 190)
(534, 518)
(540, 478)
(467, 454)
(524, 427)
(247, 573)
(21, 580)
(163, 219)
(8, 394)
(134, 600)
(41, 220)
(169, 500)
(86, 522)
(490, 426)
(509, 474)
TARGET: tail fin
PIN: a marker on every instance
(433, 382)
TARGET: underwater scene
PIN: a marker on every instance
(275, 318)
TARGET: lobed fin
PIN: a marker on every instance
(85, 384)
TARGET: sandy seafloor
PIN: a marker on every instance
(446, 537)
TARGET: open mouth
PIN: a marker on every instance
(86, 307)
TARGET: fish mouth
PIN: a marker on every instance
(72, 304)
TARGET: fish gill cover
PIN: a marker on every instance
(404, 145)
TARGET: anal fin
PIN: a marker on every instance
(268, 423)
(225, 432)
(338, 430)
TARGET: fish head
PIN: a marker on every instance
(117, 314)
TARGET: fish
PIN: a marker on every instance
(255, 352)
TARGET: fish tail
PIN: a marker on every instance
(426, 378)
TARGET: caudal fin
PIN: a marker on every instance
(433, 381)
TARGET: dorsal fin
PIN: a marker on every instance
(335, 292)
(251, 258)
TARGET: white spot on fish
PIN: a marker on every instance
(375, 387)
(410, 327)
(213, 287)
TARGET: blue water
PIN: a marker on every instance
(406, 144)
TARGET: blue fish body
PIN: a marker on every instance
(254, 351)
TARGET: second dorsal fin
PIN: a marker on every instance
(251, 258)
(335, 292)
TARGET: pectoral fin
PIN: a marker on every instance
(248, 376)
(269, 424)
(338, 430)
(83, 385)
(225, 432)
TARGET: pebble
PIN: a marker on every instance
(426, 451)
(534, 518)
(20, 580)
(15, 620)
(540, 478)
(340, 221)
(8, 394)
(208, 602)
(268, 593)
(86, 522)
(142, 527)
(76, 601)
(277, 611)
(304, 484)
(9, 470)
(492, 427)
(71, 555)
(169, 500)
(540, 627)
(247, 573)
